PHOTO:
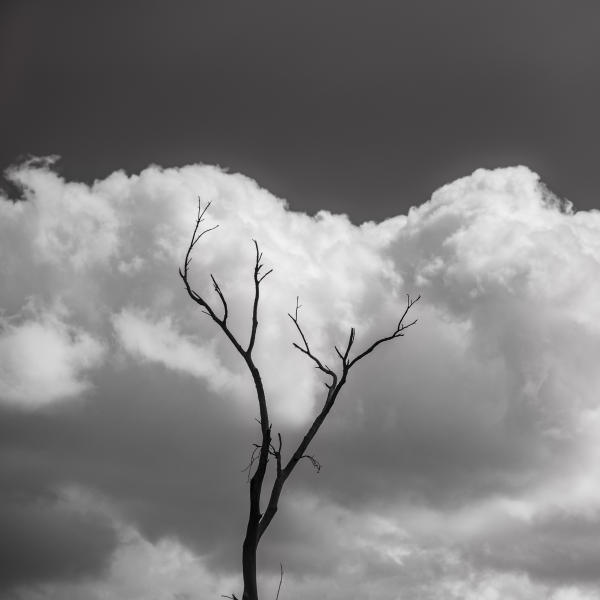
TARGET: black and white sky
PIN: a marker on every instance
(447, 149)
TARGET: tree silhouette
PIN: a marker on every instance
(258, 522)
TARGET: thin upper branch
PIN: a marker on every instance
(195, 237)
(193, 294)
(306, 349)
(258, 277)
(399, 332)
(223, 301)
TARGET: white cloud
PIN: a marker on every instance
(491, 252)
(475, 434)
(161, 342)
(43, 361)
(67, 224)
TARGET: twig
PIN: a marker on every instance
(280, 580)
(252, 459)
(306, 350)
(257, 280)
(315, 463)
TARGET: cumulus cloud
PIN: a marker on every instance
(458, 463)
(64, 225)
(160, 342)
(44, 360)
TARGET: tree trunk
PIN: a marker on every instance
(249, 569)
(252, 538)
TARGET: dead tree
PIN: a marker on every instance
(258, 522)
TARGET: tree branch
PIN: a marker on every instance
(256, 480)
(256, 448)
(333, 390)
(306, 350)
(280, 581)
(223, 301)
(193, 294)
(315, 463)
(399, 332)
(196, 236)
(257, 280)
(276, 452)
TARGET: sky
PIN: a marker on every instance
(440, 149)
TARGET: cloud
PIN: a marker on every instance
(49, 539)
(66, 225)
(459, 462)
(133, 568)
(43, 361)
(160, 342)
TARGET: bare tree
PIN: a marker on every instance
(258, 522)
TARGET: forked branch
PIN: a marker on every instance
(333, 389)
(399, 332)
(258, 277)
(305, 349)
(195, 237)
(338, 380)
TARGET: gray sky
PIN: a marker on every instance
(461, 461)
(338, 105)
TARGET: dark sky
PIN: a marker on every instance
(363, 108)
